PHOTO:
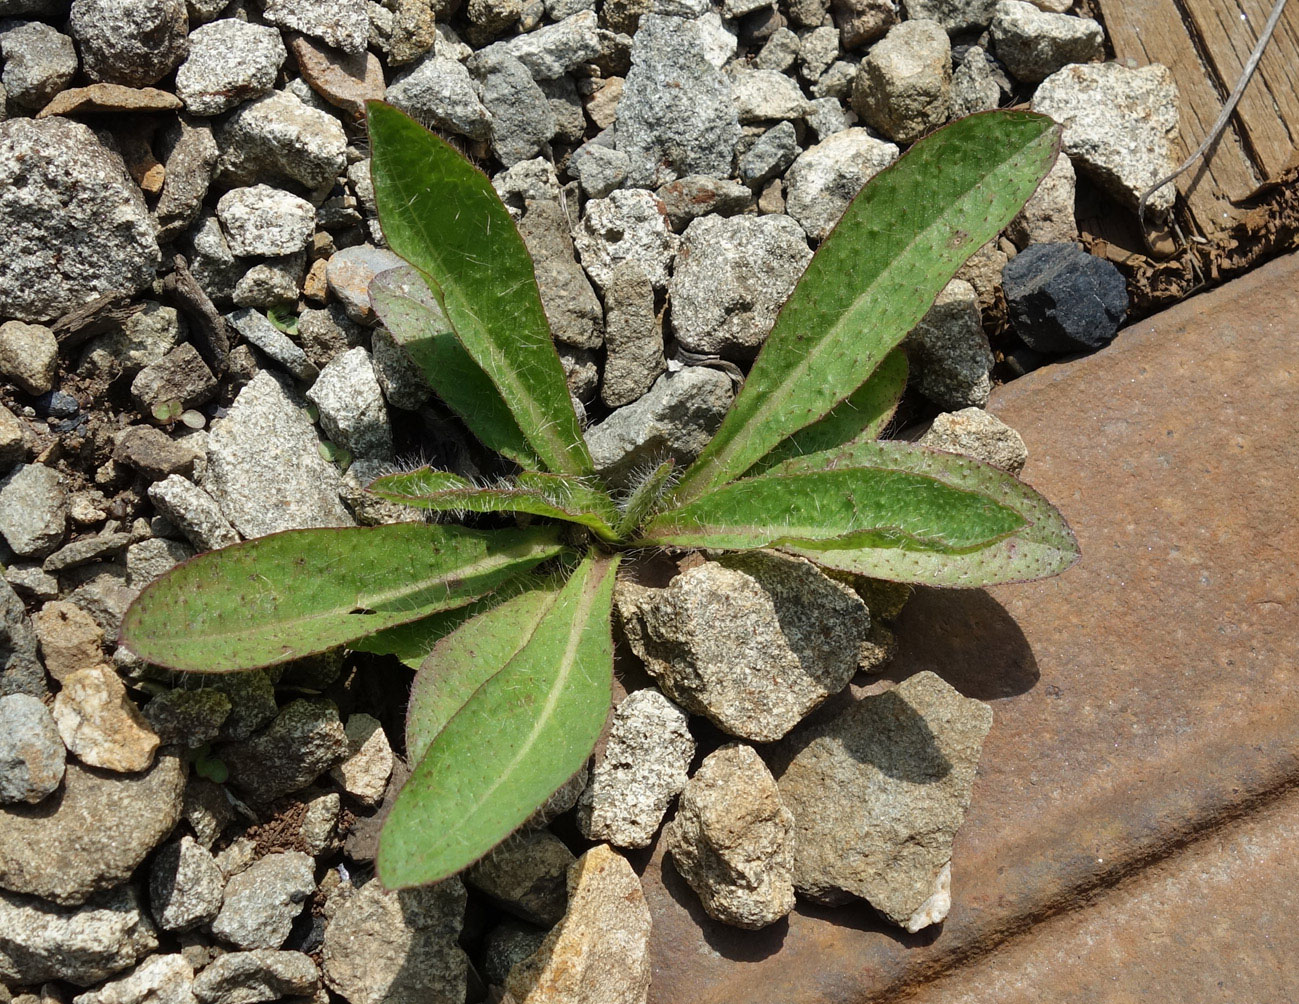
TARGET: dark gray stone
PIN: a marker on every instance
(32, 756)
(303, 742)
(131, 42)
(1062, 299)
(58, 183)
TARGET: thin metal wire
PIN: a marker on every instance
(1225, 115)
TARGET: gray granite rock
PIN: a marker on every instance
(976, 433)
(675, 418)
(57, 184)
(630, 225)
(147, 559)
(878, 793)
(351, 406)
(262, 901)
(215, 269)
(364, 774)
(62, 851)
(556, 49)
(264, 467)
(185, 886)
(265, 222)
(32, 756)
(826, 177)
(252, 702)
(100, 724)
(522, 122)
(439, 92)
(1120, 126)
(732, 839)
(155, 454)
(404, 30)
(1048, 217)
(271, 284)
(527, 181)
(753, 642)
(303, 742)
(599, 169)
(39, 61)
(633, 338)
(189, 717)
(193, 512)
(29, 356)
(599, 953)
(400, 947)
(527, 875)
(765, 95)
(773, 151)
(861, 22)
(400, 377)
(731, 278)
(506, 945)
(21, 671)
(258, 331)
(82, 944)
(1034, 43)
(277, 137)
(954, 15)
(159, 979)
(817, 52)
(131, 42)
(33, 510)
(677, 114)
(570, 303)
(689, 198)
(343, 24)
(950, 352)
(974, 86)
(181, 376)
(320, 823)
(903, 87)
(229, 62)
(644, 765)
(263, 974)
(780, 50)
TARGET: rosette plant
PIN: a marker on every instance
(508, 621)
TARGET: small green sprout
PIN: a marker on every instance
(515, 667)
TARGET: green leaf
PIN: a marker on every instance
(442, 215)
(524, 732)
(294, 594)
(410, 312)
(644, 498)
(858, 504)
(872, 280)
(1044, 546)
(861, 417)
(576, 500)
(467, 658)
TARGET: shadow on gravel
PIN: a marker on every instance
(967, 638)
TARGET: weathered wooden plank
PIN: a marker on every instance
(1269, 109)
(1153, 31)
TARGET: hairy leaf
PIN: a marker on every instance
(410, 311)
(861, 417)
(855, 504)
(872, 280)
(467, 658)
(294, 594)
(577, 500)
(524, 732)
(1044, 546)
(442, 215)
(644, 497)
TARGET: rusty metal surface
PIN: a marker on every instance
(1142, 699)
